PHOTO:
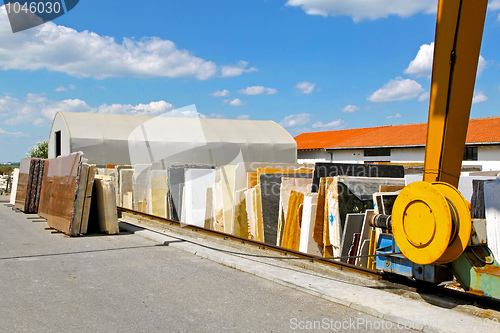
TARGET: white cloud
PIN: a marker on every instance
(397, 90)
(424, 97)
(365, 9)
(479, 97)
(39, 110)
(216, 116)
(397, 115)
(494, 5)
(87, 54)
(296, 120)
(221, 93)
(305, 87)
(236, 70)
(4, 133)
(258, 90)
(350, 109)
(244, 117)
(421, 66)
(481, 66)
(234, 102)
(337, 124)
(151, 109)
(63, 88)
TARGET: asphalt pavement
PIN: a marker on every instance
(132, 283)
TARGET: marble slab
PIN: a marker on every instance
(63, 191)
(126, 183)
(15, 179)
(105, 201)
(492, 213)
(353, 225)
(291, 231)
(176, 179)
(300, 182)
(197, 181)
(355, 170)
(307, 243)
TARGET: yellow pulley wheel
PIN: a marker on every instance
(422, 223)
(462, 222)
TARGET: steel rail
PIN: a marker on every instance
(414, 285)
(261, 245)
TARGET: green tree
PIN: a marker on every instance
(40, 150)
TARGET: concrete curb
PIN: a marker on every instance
(400, 311)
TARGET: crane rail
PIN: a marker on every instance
(405, 284)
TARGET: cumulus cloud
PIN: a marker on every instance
(151, 109)
(425, 96)
(479, 97)
(234, 102)
(494, 5)
(397, 90)
(258, 90)
(221, 93)
(87, 54)
(363, 9)
(63, 88)
(40, 110)
(397, 115)
(350, 109)
(421, 66)
(295, 120)
(336, 124)
(305, 87)
(236, 70)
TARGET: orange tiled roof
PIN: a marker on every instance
(481, 130)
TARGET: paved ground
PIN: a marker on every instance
(128, 283)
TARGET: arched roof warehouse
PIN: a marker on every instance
(128, 140)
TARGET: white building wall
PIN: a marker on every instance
(344, 156)
(348, 156)
(488, 156)
(312, 156)
(59, 125)
(408, 155)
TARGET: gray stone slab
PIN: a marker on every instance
(355, 170)
(176, 179)
(270, 193)
(353, 224)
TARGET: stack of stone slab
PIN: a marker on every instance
(125, 188)
(103, 205)
(264, 210)
(123, 184)
(296, 206)
(176, 176)
(66, 193)
(486, 205)
(159, 189)
(29, 185)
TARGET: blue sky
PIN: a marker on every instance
(310, 65)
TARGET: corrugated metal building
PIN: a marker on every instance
(127, 140)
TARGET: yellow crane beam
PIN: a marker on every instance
(431, 219)
(459, 31)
